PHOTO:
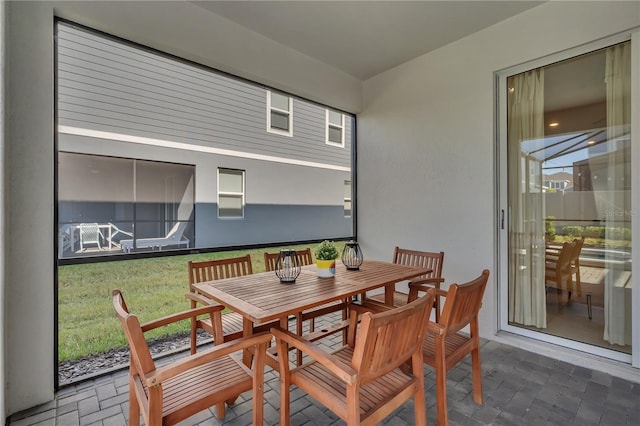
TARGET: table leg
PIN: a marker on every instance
(388, 294)
(247, 330)
(284, 323)
(272, 354)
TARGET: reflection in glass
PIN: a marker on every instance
(569, 183)
(117, 205)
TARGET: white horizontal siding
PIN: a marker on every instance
(109, 86)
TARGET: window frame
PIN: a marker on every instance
(500, 157)
(289, 113)
(329, 125)
(348, 199)
(231, 194)
(127, 225)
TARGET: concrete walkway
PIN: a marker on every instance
(520, 388)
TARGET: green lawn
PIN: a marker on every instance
(154, 287)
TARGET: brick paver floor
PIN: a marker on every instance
(519, 387)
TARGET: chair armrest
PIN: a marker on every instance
(337, 367)
(369, 305)
(198, 298)
(180, 316)
(414, 288)
(435, 282)
(434, 327)
(420, 287)
(167, 372)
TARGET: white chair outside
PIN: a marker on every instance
(90, 234)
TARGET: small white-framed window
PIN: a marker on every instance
(231, 193)
(335, 128)
(279, 114)
(347, 198)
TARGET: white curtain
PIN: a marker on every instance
(617, 291)
(526, 203)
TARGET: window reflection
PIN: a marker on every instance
(113, 205)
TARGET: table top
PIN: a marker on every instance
(263, 298)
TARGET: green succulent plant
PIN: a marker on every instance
(326, 250)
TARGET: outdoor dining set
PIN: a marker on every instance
(386, 337)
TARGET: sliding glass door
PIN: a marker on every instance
(566, 185)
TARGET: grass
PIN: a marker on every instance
(153, 287)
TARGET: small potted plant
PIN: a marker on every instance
(326, 254)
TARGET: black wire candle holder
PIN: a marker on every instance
(287, 266)
(352, 255)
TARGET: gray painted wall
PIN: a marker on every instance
(110, 86)
(269, 224)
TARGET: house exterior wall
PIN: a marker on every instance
(439, 109)
(282, 200)
(178, 28)
(112, 87)
(107, 85)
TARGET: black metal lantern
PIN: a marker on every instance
(352, 255)
(287, 266)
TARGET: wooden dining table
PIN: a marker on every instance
(261, 297)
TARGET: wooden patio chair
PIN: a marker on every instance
(170, 393)
(304, 256)
(574, 264)
(445, 345)
(423, 259)
(362, 382)
(561, 266)
(310, 315)
(557, 272)
(218, 269)
(576, 281)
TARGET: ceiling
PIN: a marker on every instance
(365, 38)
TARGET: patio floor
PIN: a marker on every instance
(519, 387)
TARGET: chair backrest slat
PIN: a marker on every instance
(566, 254)
(210, 270)
(304, 257)
(575, 253)
(421, 259)
(140, 355)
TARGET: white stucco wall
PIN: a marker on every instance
(426, 139)
(179, 28)
(28, 204)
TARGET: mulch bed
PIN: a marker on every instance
(89, 367)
